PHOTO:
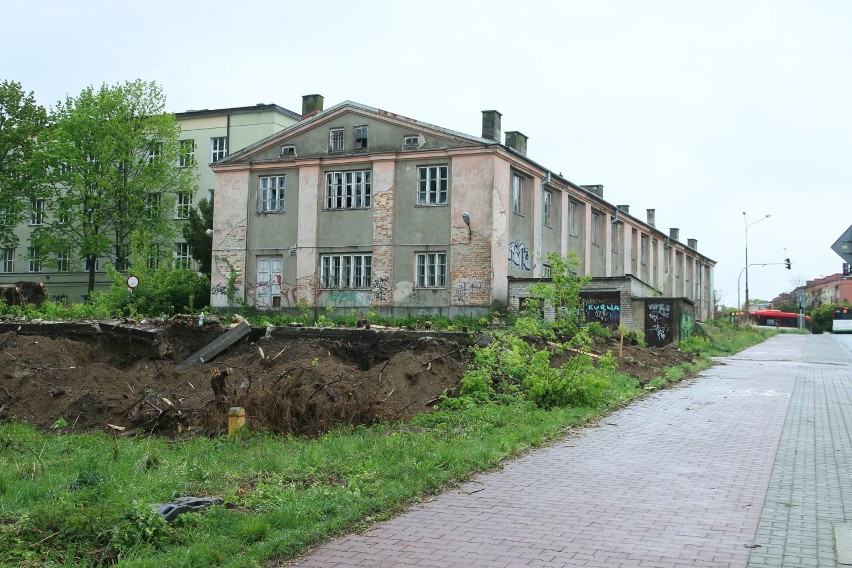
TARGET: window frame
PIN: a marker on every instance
(433, 185)
(183, 255)
(596, 217)
(218, 148)
(336, 140)
(85, 264)
(183, 203)
(33, 260)
(361, 142)
(271, 199)
(431, 270)
(572, 218)
(517, 194)
(547, 208)
(343, 191)
(37, 215)
(643, 248)
(7, 262)
(63, 262)
(351, 271)
(186, 154)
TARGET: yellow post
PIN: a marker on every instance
(236, 419)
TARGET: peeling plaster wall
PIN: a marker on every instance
(470, 250)
(501, 208)
(229, 230)
(306, 240)
(383, 232)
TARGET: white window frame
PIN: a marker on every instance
(33, 260)
(183, 255)
(336, 139)
(517, 194)
(186, 158)
(270, 194)
(183, 203)
(346, 271)
(349, 190)
(153, 261)
(85, 263)
(431, 270)
(361, 137)
(8, 261)
(269, 281)
(63, 262)
(411, 140)
(218, 148)
(154, 151)
(152, 203)
(37, 216)
(432, 185)
(547, 207)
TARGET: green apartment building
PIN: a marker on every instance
(209, 136)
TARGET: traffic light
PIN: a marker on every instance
(787, 263)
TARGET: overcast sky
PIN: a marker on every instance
(700, 110)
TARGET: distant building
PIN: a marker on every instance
(210, 136)
(360, 208)
(834, 289)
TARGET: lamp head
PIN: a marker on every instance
(466, 219)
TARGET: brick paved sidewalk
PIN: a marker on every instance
(810, 489)
(676, 479)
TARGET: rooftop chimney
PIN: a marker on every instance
(311, 104)
(517, 141)
(674, 233)
(652, 217)
(624, 208)
(491, 124)
(692, 243)
(596, 189)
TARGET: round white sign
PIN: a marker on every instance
(132, 282)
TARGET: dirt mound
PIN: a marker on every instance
(302, 386)
(121, 377)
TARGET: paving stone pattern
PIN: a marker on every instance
(811, 484)
(676, 479)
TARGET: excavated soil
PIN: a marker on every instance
(79, 377)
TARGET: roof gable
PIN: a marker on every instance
(387, 132)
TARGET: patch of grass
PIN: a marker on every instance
(86, 500)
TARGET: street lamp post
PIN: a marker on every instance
(747, 225)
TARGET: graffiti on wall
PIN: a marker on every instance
(685, 326)
(519, 255)
(464, 290)
(602, 307)
(658, 323)
(381, 289)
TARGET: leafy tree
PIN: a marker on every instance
(195, 233)
(21, 123)
(562, 293)
(114, 163)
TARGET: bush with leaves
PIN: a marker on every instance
(163, 290)
(517, 364)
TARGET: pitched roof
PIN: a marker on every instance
(322, 115)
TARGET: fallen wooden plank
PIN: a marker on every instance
(209, 351)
